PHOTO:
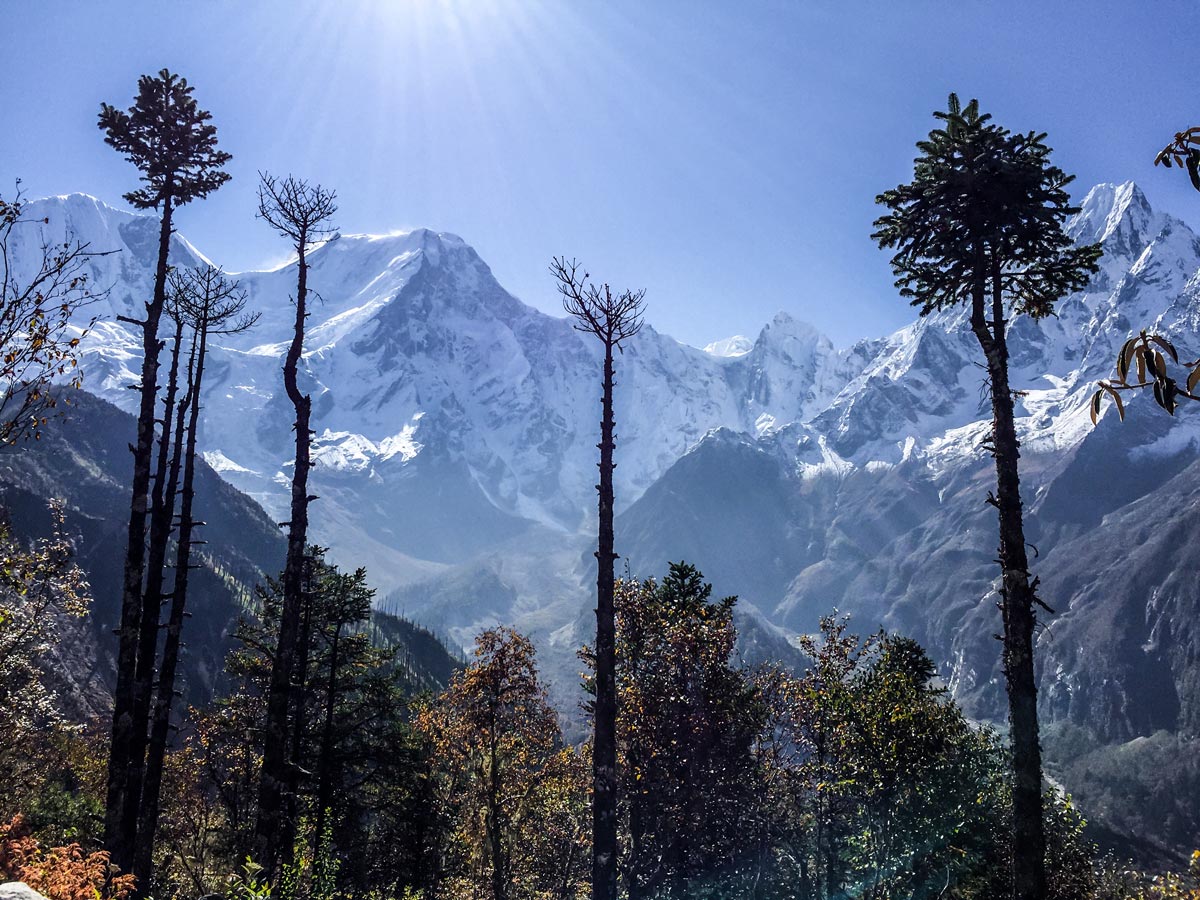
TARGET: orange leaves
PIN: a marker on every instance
(507, 783)
(60, 873)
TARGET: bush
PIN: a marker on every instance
(61, 873)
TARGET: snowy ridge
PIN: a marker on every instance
(738, 345)
(415, 352)
(456, 457)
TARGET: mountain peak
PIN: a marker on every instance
(738, 345)
(394, 250)
(1114, 214)
(784, 327)
(81, 215)
(411, 236)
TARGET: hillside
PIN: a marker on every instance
(83, 459)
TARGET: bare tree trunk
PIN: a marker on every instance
(604, 753)
(125, 754)
(291, 819)
(1017, 602)
(635, 889)
(162, 510)
(278, 780)
(325, 757)
(161, 722)
(495, 837)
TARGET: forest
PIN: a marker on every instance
(340, 751)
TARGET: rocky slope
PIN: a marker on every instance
(83, 460)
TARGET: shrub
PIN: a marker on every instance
(61, 873)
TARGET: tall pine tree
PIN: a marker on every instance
(173, 144)
(981, 224)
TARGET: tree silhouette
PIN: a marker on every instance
(613, 320)
(37, 304)
(207, 303)
(981, 224)
(173, 144)
(1183, 151)
(1137, 354)
(300, 212)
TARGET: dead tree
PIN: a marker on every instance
(162, 512)
(301, 213)
(613, 320)
(207, 303)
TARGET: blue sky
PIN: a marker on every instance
(725, 156)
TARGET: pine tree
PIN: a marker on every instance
(613, 320)
(686, 725)
(359, 791)
(173, 143)
(300, 212)
(981, 224)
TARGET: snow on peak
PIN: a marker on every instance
(414, 320)
(1113, 211)
(348, 451)
(738, 345)
(221, 463)
(787, 334)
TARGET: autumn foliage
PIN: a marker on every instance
(61, 873)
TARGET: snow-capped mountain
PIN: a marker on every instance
(456, 456)
(456, 451)
(875, 504)
(738, 345)
(437, 392)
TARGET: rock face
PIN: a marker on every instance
(456, 432)
(18, 890)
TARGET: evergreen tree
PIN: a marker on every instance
(300, 212)
(514, 793)
(981, 224)
(613, 320)
(173, 144)
(686, 725)
(359, 764)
